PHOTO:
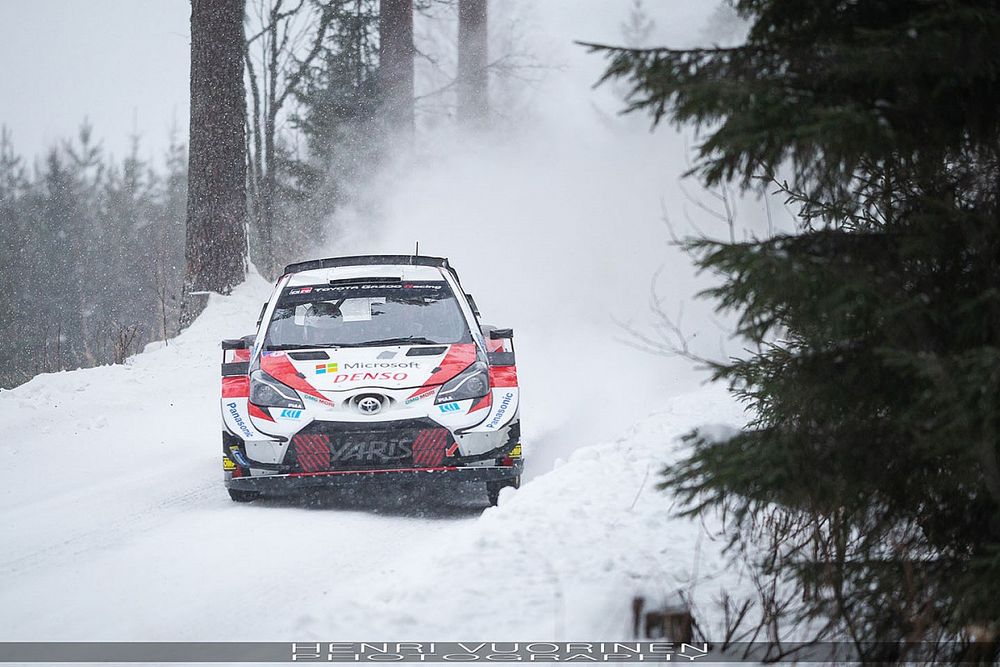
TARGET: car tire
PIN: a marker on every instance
(240, 496)
(493, 488)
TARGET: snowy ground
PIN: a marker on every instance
(116, 526)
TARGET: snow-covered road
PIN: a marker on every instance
(115, 525)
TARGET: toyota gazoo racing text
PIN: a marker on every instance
(369, 368)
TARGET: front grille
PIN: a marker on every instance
(325, 446)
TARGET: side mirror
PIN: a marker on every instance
(472, 302)
(501, 334)
(235, 344)
(501, 358)
(260, 318)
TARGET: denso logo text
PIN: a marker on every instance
(360, 377)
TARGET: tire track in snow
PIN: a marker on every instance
(104, 532)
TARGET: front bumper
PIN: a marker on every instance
(304, 480)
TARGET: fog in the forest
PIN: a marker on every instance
(558, 216)
(558, 220)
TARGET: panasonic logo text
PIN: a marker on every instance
(239, 420)
(501, 410)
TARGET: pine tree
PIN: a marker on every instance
(124, 264)
(165, 244)
(339, 118)
(63, 223)
(13, 193)
(339, 103)
(86, 160)
(91, 255)
(873, 461)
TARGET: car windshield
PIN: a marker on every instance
(359, 314)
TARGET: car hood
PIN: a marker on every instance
(322, 372)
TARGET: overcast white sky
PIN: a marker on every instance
(124, 63)
(578, 192)
(119, 62)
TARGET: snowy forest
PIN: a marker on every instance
(751, 249)
(93, 255)
(93, 247)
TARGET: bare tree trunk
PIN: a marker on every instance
(268, 191)
(215, 247)
(473, 55)
(396, 52)
(267, 53)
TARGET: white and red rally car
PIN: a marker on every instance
(372, 368)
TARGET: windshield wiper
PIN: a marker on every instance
(407, 340)
(297, 346)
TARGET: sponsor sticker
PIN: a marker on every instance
(291, 414)
(501, 410)
(450, 407)
(516, 452)
(361, 377)
(322, 401)
(227, 464)
(323, 369)
(418, 397)
(235, 414)
(351, 288)
(317, 289)
(376, 450)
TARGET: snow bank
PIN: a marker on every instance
(117, 527)
(562, 557)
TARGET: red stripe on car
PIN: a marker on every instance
(482, 403)
(420, 456)
(372, 472)
(428, 448)
(237, 386)
(258, 413)
(312, 451)
(503, 376)
(457, 360)
(282, 370)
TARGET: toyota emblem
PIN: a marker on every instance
(370, 405)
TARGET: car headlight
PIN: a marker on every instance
(473, 382)
(267, 392)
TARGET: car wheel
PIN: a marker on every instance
(243, 496)
(493, 488)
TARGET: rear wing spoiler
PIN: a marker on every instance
(366, 260)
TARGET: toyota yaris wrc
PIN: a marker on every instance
(372, 368)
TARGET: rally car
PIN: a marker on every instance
(372, 368)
